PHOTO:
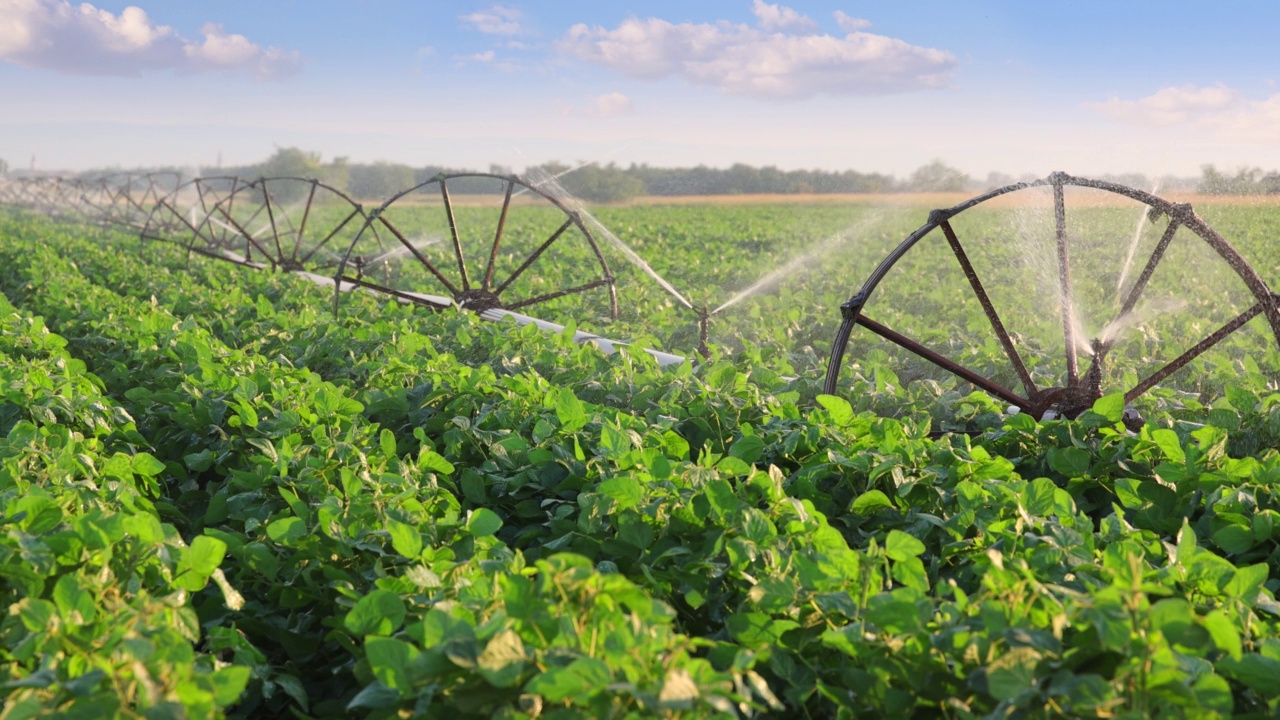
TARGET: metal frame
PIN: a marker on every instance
(1080, 391)
(485, 293)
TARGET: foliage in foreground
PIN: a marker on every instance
(223, 501)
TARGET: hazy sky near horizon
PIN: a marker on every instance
(1087, 87)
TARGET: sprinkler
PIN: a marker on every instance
(1077, 392)
(704, 323)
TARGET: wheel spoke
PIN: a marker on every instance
(421, 258)
(302, 226)
(329, 237)
(533, 257)
(249, 239)
(1027, 383)
(497, 236)
(1064, 281)
(1177, 363)
(453, 232)
(941, 361)
(271, 218)
(1141, 283)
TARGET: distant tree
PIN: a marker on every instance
(291, 162)
(1245, 182)
(380, 180)
(937, 177)
(337, 173)
(4, 167)
(998, 179)
(608, 183)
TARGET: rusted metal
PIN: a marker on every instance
(942, 361)
(1007, 342)
(1064, 279)
(1196, 350)
(453, 233)
(477, 288)
(533, 257)
(1078, 393)
(704, 332)
(1141, 283)
(497, 235)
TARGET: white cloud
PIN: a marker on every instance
(497, 20)
(1219, 111)
(1171, 105)
(613, 104)
(743, 60)
(481, 57)
(849, 23)
(83, 40)
(780, 17)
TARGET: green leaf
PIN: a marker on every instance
(387, 443)
(871, 502)
(429, 459)
(75, 604)
(1167, 441)
(569, 410)
(1070, 461)
(625, 490)
(1261, 674)
(579, 678)
(748, 448)
(1234, 539)
(146, 465)
(483, 522)
(286, 530)
(901, 546)
(405, 539)
(1110, 406)
(229, 684)
(1013, 673)
(389, 659)
(199, 561)
(723, 500)
(1039, 497)
(1247, 581)
(380, 612)
(840, 410)
(503, 660)
(1224, 633)
(375, 696)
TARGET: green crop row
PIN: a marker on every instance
(426, 513)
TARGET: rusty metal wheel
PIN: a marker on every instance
(489, 241)
(1074, 389)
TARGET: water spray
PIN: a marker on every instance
(1078, 392)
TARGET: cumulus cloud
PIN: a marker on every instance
(849, 23)
(744, 60)
(613, 104)
(1171, 105)
(780, 17)
(497, 20)
(84, 40)
(1218, 110)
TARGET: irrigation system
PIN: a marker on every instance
(305, 226)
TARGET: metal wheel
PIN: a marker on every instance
(1075, 389)
(293, 224)
(125, 199)
(489, 241)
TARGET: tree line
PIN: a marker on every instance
(604, 183)
(613, 182)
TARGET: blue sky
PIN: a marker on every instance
(1016, 87)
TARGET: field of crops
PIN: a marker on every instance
(219, 498)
